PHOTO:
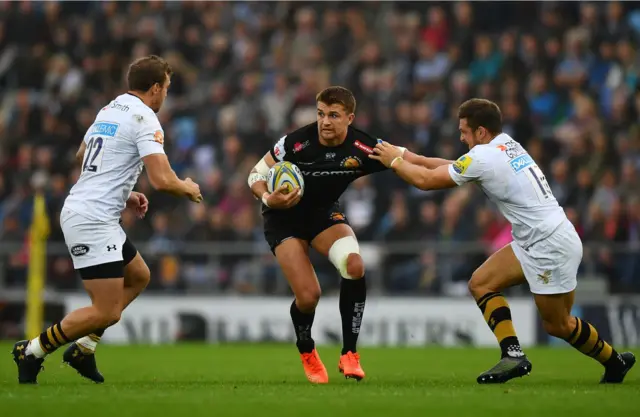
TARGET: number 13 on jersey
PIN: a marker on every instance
(539, 182)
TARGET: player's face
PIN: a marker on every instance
(333, 122)
(160, 94)
(469, 136)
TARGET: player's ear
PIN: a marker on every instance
(351, 117)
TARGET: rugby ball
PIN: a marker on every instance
(287, 174)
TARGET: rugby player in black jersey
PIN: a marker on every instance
(331, 154)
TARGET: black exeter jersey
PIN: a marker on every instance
(327, 170)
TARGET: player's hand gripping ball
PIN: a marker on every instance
(285, 174)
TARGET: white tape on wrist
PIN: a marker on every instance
(264, 198)
(396, 159)
(402, 149)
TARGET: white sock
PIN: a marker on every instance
(34, 348)
(88, 343)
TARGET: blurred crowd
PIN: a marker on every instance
(566, 76)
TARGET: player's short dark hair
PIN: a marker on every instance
(145, 72)
(338, 95)
(481, 112)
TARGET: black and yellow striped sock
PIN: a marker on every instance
(497, 314)
(52, 338)
(585, 338)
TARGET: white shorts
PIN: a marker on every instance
(551, 265)
(91, 243)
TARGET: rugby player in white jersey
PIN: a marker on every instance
(125, 137)
(546, 250)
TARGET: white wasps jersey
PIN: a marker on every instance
(124, 132)
(513, 181)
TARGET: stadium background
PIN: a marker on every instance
(566, 76)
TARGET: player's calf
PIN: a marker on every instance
(136, 278)
(344, 253)
(555, 313)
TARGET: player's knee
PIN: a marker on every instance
(106, 318)
(355, 266)
(141, 278)
(307, 299)
(344, 254)
(476, 285)
(560, 328)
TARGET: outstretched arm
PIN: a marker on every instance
(416, 175)
(424, 178)
(429, 163)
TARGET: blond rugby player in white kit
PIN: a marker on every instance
(546, 250)
(125, 137)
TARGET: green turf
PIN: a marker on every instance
(200, 380)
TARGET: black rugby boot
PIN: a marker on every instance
(508, 368)
(28, 365)
(84, 364)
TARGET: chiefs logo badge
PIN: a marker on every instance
(351, 162)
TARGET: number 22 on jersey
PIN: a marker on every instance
(98, 134)
(93, 154)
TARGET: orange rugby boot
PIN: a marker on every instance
(350, 366)
(314, 368)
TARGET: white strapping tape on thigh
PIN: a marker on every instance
(340, 251)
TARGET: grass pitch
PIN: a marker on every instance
(267, 380)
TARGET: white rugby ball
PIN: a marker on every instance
(287, 174)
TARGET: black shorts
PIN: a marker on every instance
(280, 225)
(111, 269)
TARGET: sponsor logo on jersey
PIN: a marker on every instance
(159, 137)
(521, 162)
(79, 250)
(363, 147)
(352, 162)
(331, 173)
(104, 129)
(461, 165)
(298, 146)
(513, 149)
(117, 106)
(138, 118)
(330, 156)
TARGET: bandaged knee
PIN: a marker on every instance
(339, 253)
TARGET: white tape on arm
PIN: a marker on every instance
(262, 167)
(262, 170)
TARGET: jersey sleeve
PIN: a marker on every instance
(279, 150)
(469, 167)
(366, 144)
(150, 137)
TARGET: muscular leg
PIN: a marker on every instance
(338, 242)
(353, 290)
(293, 258)
(136, 279)
(106, 299)
(555, 311)
(501, 271)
